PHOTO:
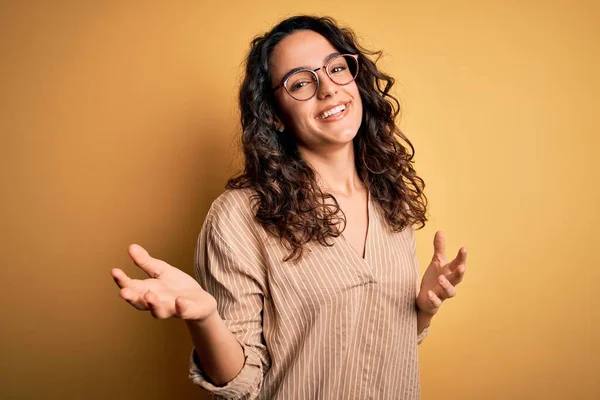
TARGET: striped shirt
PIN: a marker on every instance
(333, 326)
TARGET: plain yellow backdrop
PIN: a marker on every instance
(119, 123)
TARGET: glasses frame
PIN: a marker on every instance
(325, 67)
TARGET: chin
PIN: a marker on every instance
(348, 135)
(346, 132)
(340, 138)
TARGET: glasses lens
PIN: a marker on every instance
(342, 69)
(301, 85)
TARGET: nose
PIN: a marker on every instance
(327, 87)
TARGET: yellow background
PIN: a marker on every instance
(118, 123)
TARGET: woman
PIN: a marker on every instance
(307, 266)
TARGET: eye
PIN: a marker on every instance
(338, 68)
(299, 85)
(300, 81)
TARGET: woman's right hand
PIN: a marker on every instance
(168, 292)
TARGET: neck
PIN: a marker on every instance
(336, 170)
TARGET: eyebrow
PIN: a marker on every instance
(325, 61)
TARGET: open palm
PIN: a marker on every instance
(168, 292)
(441, 277)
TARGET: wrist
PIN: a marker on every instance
(423, 320)
(210, 320)
(424, 316)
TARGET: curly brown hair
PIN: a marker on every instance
(287, 200)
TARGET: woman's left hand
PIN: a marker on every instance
(440, 279)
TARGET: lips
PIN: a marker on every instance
(331, 111)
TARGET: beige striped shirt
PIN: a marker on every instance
(333, 326)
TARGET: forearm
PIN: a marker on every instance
(423, 321)
(220, 355)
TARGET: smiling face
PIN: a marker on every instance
(331, 118)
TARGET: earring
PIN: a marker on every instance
(280, 129)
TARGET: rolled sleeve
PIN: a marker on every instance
(421, 336)
(229, 267)
(249, 377)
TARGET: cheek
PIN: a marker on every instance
(356, 96)
(357, 101)
(298, 113)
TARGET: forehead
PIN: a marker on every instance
(301, 48)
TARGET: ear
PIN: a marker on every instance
(278, 124)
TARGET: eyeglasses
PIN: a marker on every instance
(303, 84)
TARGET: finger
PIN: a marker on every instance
(152, 266)
(435, 301)
(153, 307)
(459, 260)
(448, 289)
(157, 309)
(439, 247)
(190, 309)
(120, 277)
(458, 275)
(135, 298)
(182, 307)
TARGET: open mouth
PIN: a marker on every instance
(332, 112)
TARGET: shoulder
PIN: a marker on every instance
(233, 203)
(231, 215)
(230, 240)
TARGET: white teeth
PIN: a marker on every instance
(333, 111)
